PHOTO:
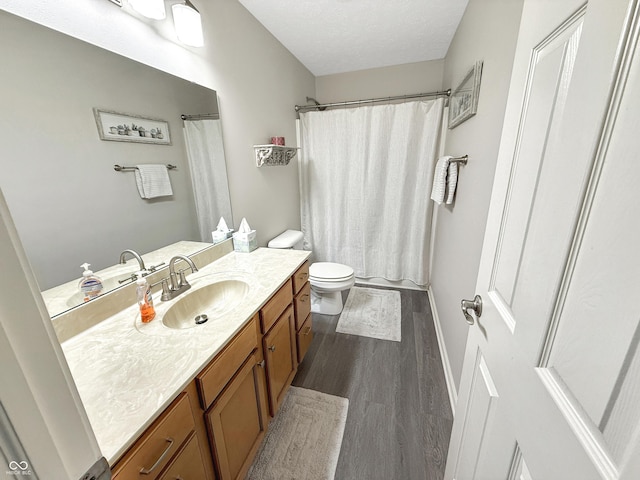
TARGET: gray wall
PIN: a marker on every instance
(488, 31)
(68, 203)
(405, 79)
(258, 82)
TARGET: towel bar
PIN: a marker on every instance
(122, 168)
(462, 160)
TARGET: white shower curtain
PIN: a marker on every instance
(205, 152)
(365, 180)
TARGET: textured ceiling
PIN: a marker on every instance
(335, 36)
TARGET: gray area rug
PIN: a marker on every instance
(304, 438)
(371, 312)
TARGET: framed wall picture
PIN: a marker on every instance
(463, 102)
(125, 127)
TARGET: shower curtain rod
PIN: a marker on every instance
(214, 116)
(444, 93)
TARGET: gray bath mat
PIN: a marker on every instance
(304, 438)
(371, 312)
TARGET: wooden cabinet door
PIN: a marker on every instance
(237, 421)
(188, 464)
(280, 356)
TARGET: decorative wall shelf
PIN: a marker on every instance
(274, 155)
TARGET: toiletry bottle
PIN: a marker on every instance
(90, 285)
(145, 300)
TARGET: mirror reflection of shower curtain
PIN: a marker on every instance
(365, 180)
(208, 169)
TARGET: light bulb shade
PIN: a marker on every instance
(149, 8)
(188, 24)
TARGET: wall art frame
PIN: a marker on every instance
(125, 127)
(463, 103)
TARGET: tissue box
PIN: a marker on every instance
(245, 242)
(219, 236)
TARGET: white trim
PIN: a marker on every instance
(446, 366)
(37, 390)
(585, 431)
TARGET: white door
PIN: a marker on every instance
(550, 387)
(44, 430)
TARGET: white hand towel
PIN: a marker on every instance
(153, 181)
(440, 179)
(452, 181)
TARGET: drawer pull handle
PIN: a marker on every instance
(272, 348)
(307, 331)
(144, 471)
(304, 275)
(261, 364)
(303, 298)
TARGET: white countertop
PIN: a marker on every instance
(127, 378)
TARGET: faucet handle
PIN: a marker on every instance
(166, 291)
(182, 279)
(153, 268)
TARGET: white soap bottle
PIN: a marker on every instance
(90, 285)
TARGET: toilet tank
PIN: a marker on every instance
(287, 239)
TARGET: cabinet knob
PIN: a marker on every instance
(261, 364)
(272, 348)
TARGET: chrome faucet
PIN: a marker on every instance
(134, 255)
(176, 283)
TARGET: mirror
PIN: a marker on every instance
(68, 203)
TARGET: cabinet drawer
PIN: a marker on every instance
(302, 304)
(188, 464)
(274, 307)
(300, 277)
(304, 337)
(159, 443)
(212, 380)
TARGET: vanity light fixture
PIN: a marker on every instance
(149, 8)
(188, 23)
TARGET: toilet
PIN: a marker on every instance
(327, 279)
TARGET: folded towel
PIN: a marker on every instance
(452, 181)
(153, 181)
(440, 179)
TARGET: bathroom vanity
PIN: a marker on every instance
(195, 401)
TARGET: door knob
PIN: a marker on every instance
(475, 305)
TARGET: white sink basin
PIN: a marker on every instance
(209, 302)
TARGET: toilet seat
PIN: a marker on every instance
(327, 272)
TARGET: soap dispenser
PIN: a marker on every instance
(90, 285)
(145, 300)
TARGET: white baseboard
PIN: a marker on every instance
(448, 374)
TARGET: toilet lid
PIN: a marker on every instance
(327, 271)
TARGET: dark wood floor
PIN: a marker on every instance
(399, 419)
